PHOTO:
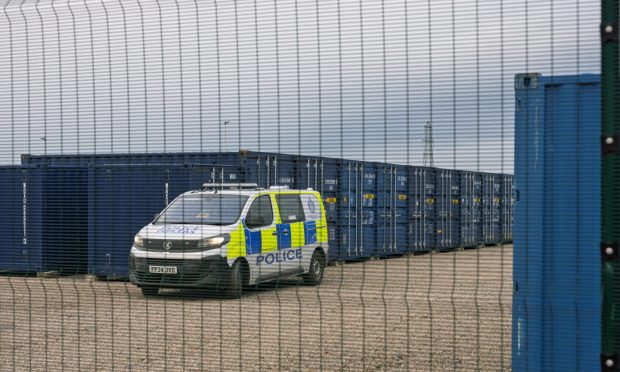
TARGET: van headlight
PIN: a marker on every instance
(138, 241)
(214, 241)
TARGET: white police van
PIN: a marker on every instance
(227, 236)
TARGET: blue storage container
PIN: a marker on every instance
(491, 208)
(471, 209)
(507, 204)
(357, 204)
(43, 219)
(328, 183)
(392, 186)
(124, 198)
(448, 209)
(350, 243)
(392, 232)
(266, 169)
(422, 203)
(84, 160)
(311, 173)
(557, 287)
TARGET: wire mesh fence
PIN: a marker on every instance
(299, 185)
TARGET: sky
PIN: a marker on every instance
(352, 79)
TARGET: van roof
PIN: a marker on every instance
(251, 192)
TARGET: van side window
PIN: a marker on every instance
(291, 209)
(260, 213)
(312, 207)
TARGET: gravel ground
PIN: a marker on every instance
(441, 311)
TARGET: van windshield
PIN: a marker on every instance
(201, 209)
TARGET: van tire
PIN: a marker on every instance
(317, 269)
(149, 291)
(235, 281)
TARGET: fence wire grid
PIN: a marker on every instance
(299, 185)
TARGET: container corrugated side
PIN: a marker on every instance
(556, 272)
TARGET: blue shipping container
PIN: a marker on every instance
(557, 294)
(491, 208)
(124, 198)
(392, 209)
(358, 211)
(448, 209)
(471, 209)
(43, 219)
(507, 204)
(423, 197)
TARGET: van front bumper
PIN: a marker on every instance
(208, 272)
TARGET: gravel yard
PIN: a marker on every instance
(440, 311)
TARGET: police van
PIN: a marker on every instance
(227, 236)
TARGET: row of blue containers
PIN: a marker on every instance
(373, 209)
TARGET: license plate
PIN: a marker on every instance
(162, 269)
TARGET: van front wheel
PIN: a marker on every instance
(317, 269)
(235, 282)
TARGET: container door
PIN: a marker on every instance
(368, 211)
(285, 171)
(20, 219)
(471, 209)
(418, 211)
(448, 210)
(507, 206)
(308, 173)
(392, 220)
(427, 180)
(348, 210)
(65, 219)
(122, 200)
(330, 189)
(385, 221)
(12, 217)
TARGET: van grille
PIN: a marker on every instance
(157, 245)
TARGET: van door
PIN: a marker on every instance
(315, 227)
(261, 238)
(312, 214)
(290, 232)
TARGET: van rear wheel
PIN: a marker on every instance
(317, 269)
(149, 291)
